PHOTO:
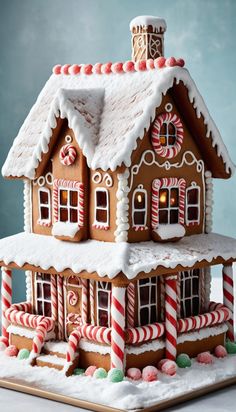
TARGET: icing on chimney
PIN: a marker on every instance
(147, 37)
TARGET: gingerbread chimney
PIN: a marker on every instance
(147, 37)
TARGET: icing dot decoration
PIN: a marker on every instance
(119, 67)
(100, 373)
(23, 354)
(150, 373)
(11, 351)
(220, 351)
(230, 347)
(134, 373)
(183, 361)
(115, 375)
(167, 151)
(78, 371)
(67, 155)
(72, 298)
(169, 368)
(90, 370)
(205, 357)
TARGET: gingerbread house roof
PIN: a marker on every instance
(108, 113)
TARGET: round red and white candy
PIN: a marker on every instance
(11, 351)
(67, 154)
(205, 358)
(134, 373)
(169, 368)
(150, 374)
(220, 351)
(161, 363)
(72, 298)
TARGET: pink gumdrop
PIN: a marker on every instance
(220, 351)
(90, 370)
(106, 68)
(11, 350)
(134, 373)
(150, 64)
(171, 62)
(57, 69)
(159, 62)
(149, 374)
(117, 67)
(161, 363)
(87, 69)
(169, 368)
(97, 68)
(128, 66)
(205, 357)
(65, 69)
(74, 69)
(180, 62)
(141, 65)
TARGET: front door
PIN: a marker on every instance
(72, 304)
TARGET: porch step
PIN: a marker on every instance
(51, 361)
(53, 355)
(56, 348)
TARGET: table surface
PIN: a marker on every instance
(11, 401)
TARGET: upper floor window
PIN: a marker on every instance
(193, 205)
(167, 135)
(139, 208)
(43, 294)
(147, 301)
(68, 199)
(101, 218)
(169, 205)
(104, 304)
(44, 206)
(190, 293)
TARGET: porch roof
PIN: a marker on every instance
(29, 250)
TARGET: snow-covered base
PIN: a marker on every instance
(125, 395)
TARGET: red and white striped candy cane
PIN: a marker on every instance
(60, 298)
(144, 333)
(84, 283)
(228, 298)
(42, 328)
(67, 154)
(98, 334)
(130, 305)
(117, 327)
(54, 297)
(171, 316)
(6, 301)
(91, 300)
(73, 344)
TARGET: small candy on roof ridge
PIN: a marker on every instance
(118, 67)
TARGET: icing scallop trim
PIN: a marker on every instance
(118, 67)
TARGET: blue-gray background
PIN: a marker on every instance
(37, 34)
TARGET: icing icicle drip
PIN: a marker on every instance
(209, 201)
(122, 215)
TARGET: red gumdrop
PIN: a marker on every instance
(11, 350)
(97, 68)
(106, 68)
(134, 373)
(180, 62)
(169, 368)
(141, 65)
(87, 69)
(90, 370)
(75, 69)
(171, 62)
(117, 67)
(57, 69)
(128, 66)
(150, 64)
(220, 351)
(205, 357)
(150, 373)
(65, 69)
(161, 363)
(159, 62)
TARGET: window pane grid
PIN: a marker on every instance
(103, 304)
(44, 204)
(68, 205)
(188, 297)
(43, 302)
(102, 206)
(168, 196)
(147, 301)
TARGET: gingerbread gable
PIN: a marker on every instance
(119, 108)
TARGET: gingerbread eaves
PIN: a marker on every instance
(132, 92)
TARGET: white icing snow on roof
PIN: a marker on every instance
(128, 107)
(157, 22)
(109, 259)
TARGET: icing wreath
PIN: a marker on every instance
(167, 151)
(67, 154)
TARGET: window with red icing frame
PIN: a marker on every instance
(44, 205)
(147, 301)
(193, 205)
(101, 218)
(104, 304)
(43, 294)
(190, 293)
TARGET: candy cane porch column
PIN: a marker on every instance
(117, 327)
(171, 316)
(6, 301)
(228, 297)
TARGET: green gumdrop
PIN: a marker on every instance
(115, 375)
(230, 347)
(23, 354)
(183, 361)
(78, 371)
(100, 373)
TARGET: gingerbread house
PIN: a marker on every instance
(118, 162)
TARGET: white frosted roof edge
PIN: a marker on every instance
(109, 259)
(111, 148)
(157, 22)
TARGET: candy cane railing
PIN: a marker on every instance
(20, 314)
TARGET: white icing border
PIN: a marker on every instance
(27, 193)
(208, 202)
(122, 207)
